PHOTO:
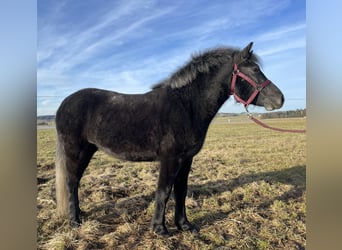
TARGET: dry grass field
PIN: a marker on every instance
(246, 191)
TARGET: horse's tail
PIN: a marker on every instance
(62, 194)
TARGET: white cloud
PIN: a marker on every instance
(282, 46)
(282, 32)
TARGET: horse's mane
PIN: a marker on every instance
(200, 63)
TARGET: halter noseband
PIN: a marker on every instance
(258, 87)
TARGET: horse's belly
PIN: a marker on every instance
(131, 155)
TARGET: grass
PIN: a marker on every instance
(246, 191)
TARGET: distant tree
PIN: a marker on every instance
(284, 114)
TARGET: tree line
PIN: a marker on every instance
(284, 114)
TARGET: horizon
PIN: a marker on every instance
(230, 113)
(129, 46)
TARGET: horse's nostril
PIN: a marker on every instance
(281, 100)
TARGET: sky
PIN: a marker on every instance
(128, 46)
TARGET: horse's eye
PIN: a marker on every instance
(256, 69)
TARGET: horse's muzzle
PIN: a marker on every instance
(276, 103)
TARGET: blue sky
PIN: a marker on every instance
(127, 46)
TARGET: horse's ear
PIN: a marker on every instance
(246, 52)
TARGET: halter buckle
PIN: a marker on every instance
(259, 87)
(236, 72)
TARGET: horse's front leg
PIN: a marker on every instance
(180, 192)
(168, 169)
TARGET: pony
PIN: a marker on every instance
(167, 124)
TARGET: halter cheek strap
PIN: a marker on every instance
(258, 87)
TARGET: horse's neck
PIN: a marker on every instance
(210, 98)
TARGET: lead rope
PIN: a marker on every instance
(272, 128)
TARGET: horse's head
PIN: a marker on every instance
(250, 86)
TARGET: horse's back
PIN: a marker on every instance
(126, 126)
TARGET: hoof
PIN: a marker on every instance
(74, 223)
(160, 230)
(187, 226)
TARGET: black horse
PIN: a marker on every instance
(167, 124)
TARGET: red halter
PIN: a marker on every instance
(258, 87)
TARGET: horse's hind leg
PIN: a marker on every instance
(71, 161)
(180, 192)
